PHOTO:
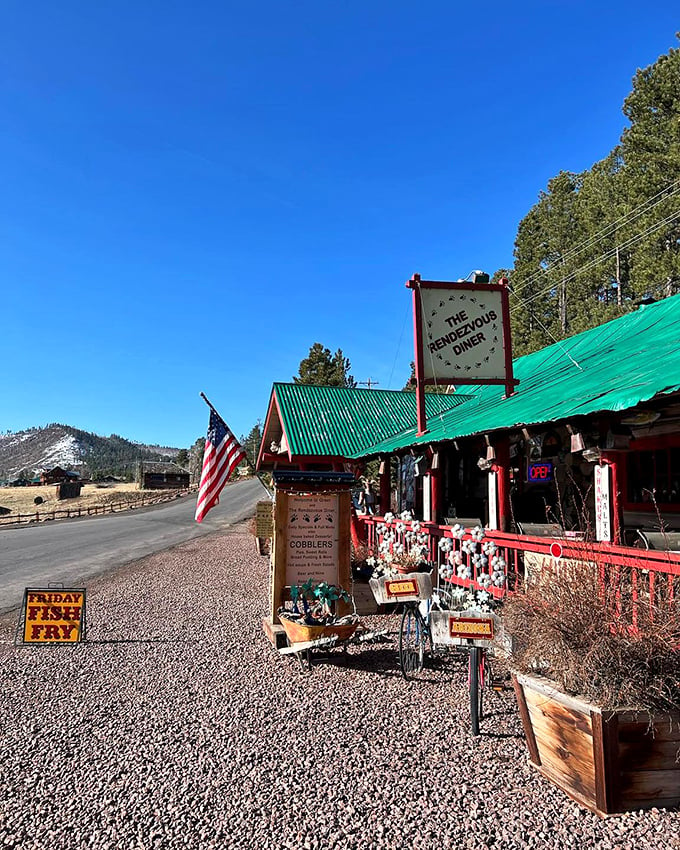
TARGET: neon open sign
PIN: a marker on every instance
(540, 472)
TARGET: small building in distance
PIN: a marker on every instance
(57, 475)
(162, 475)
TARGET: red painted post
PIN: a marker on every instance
(435, 493)
(503, 476)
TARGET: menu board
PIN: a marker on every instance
(312, 538)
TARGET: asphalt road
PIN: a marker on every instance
(73, 551)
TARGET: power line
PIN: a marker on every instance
(605, 256)
(645, 207)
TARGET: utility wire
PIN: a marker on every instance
(605, 256)
(628, 218)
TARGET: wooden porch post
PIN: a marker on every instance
(435, 493)
(385, 488)
(503, 471)
(611, 459)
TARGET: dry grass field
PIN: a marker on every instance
(21, 499)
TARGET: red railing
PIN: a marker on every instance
(635, 576)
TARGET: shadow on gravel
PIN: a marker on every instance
(385, 664)
(141, 640)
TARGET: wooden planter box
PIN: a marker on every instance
(300, 633)
(609, 761)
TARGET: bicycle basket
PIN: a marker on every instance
(412, 587)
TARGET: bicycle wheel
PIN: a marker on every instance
(412, 637)
(475, 686)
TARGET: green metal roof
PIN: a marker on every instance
(612, 367)
(343, 421)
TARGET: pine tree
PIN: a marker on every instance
(650, 149)
(323, 369)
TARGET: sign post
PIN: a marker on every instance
(312, 512)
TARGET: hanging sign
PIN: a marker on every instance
(603, 525)
(312, 538)
(462, 335)
(494, 523)
(52, 616)
(463, 331)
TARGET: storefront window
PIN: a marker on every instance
(654, 476)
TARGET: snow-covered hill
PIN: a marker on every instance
(29, 452)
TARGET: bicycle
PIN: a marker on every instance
(414, 632)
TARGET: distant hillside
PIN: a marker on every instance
(29, 452)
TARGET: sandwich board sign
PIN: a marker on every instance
(52, 615)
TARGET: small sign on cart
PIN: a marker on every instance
(471, 628)
(52, 616)
(401, 587)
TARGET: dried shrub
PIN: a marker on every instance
(593, 640)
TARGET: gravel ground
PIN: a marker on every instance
(177, 726)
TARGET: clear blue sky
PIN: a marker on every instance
(191, 194)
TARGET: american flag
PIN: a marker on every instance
(222, 455)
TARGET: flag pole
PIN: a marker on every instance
(210, 405)
(257, 474)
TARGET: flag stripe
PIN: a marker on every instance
(222, 455)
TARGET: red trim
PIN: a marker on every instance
(510, 382)
(463, 284)
(261, 453)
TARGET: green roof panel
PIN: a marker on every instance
(612, 367)
(344, 421)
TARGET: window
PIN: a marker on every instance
(654, 476)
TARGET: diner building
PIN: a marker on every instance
(581, 462)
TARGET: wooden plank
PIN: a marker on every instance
(631, 731)
(573, 779)
(278, 582)
(526, 722)
(649, 754)
(650, 785)
(551, 690)
(344, 548)
(275, 634)
(606, 761)
(572, 756)
(567, 714)
(564, 736)
(585, 800)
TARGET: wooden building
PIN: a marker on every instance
(163, 475)
(584, 453)
(57, 475)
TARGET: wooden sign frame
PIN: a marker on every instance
(48, 616)
(292, 484)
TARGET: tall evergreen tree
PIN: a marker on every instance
(323, 369)
(251, 443)
(650, 149)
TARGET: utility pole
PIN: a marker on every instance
(369, 383)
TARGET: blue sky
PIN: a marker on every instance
(191, 194)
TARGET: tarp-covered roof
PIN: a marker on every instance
(343, 421)
(613, 367)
